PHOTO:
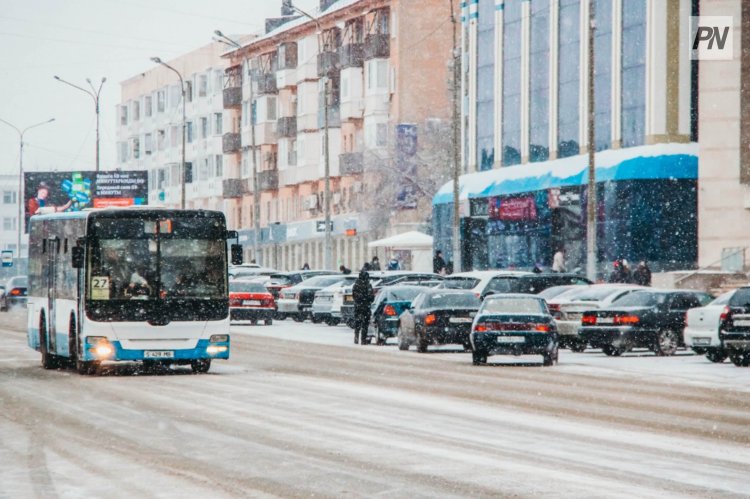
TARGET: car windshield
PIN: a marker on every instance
(452, 300)
(460, 283)
(592, 293)
(402, 294)
(247, 287)
(641, 299)
(514, 305)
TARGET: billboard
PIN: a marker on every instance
(52, 192)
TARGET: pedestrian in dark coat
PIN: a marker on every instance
(438, 263)
(362, 295)
(620, 273)
(375, 263)
(642, 274)
(345, 270)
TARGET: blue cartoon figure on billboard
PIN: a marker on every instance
(78, 190)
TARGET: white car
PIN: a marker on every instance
(481, 282)
(702, 328)
(568, 308)
(326, 306)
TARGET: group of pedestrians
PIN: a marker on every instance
(621, 273)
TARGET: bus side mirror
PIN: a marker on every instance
(236, 254)
(76, 258)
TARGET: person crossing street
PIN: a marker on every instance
(362, 295)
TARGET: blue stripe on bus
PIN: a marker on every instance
(199, 352)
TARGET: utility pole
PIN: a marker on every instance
(591, 253)
(256, 184)
(21, 219)
(94, 94)
(456, 128)
(184, 128)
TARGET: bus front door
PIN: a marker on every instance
(53, 247)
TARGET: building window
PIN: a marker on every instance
(485, 111)
(204, 169)
(9, 223)
(271, 109)
(189, 125)
(568, 111)
(175, 136)
(218, 124)
(603, 75)
(161, 98)
(147, 143)
(136, 147)
(292, 153)
(136, 111)
(147, 105)
(512, 84)
(123, 115)
(219, 164)
(633, 72)
(189, 91)
(9, 197)
(161, 138)
(204, 127)
(202, 85)
(539, 82)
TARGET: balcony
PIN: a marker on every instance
(232, 188)
(268, 180)
(286, 127)
(267, 84)
(328, 63)
(351, 163)
(352, 55)
(230, 143)
(232, 97)
(377, 46)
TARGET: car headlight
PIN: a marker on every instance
(219, 338)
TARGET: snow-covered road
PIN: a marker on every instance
(301, 411)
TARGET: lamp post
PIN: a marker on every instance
(21, 224)
(184, 128)
(591, 204)
(256, 185)
(328, 246)
(456, 128)
(94, 93)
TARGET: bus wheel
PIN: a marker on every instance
(81, 366)
(200, 365)
(49, 361)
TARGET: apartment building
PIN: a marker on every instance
(525, 133)
(149, 129)
(9, 214)
(377, 72)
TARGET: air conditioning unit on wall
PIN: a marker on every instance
(311, 202)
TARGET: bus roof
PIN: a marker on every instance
(83, 214)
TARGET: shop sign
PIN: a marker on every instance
(479, 207)
(518, 209)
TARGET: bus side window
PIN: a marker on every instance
(44, 245)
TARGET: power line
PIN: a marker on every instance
(79, 42)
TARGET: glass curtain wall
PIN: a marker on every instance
(485, 84)
(603, 75)
(568, 110)
(633, 73)
(539, 82)
(511, 139)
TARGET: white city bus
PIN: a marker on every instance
(129, 284)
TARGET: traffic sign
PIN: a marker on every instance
(7, 258)
(320, 226)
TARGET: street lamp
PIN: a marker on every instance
(94, 93)
(328, 246)
(591, 256)
(256, 185)
(184, 128)
(21, 224)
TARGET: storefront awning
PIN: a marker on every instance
(407, 240)
(658, 161)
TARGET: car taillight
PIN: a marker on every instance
(627, 319)
(726, 314)
(481, 328)
(430, 319)
(266, 302)
(390, 311)
(15, 292)
(588, 320)
(542, 328)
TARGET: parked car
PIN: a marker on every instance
(438, 317)
(734, 330)
(568, 309)
(326, 306)
(555, 291)
(296, 301)
(481, 282)
(380, 279)
(282, 280)
(15, 293)
(652, 319)
(390, 303)
(248, 271)
(250, 301)
(532, 283)
(514, 324)
(702, 325)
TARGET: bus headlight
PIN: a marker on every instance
(219, 338)
(100, 346)
(214, 349)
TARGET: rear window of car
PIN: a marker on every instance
(458, 300)
(246, 287)
(460, 283)
(281, 280)
(554, 291)
(18, 282)
(741, 298)
(593, 294)
(322, 281)
(641, 299)
(403, 294)
(514, 306)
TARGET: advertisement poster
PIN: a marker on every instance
(55, 192)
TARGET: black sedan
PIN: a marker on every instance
(734, 328)
(651, 319)
(388, 306)
(438, 317)
(515, 324)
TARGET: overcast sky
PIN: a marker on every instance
(79, 39)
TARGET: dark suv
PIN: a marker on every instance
(734, 328)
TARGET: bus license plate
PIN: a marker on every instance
(158, 354)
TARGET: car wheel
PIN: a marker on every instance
(550, 359)
(740, 359)
(402, 343)
(578, 345)
(422, 344)
(334, 321)
(298, 318)
(49, 361)
(200, 366)
(280, 317)
(612, 351)
(316, 320)
(269, 322)
(478, 358)
(467, 346)
(667, 342)
(717, 355)
(254, 322)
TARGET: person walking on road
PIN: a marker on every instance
(438, 263)
(362, 295)
(642, 274)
